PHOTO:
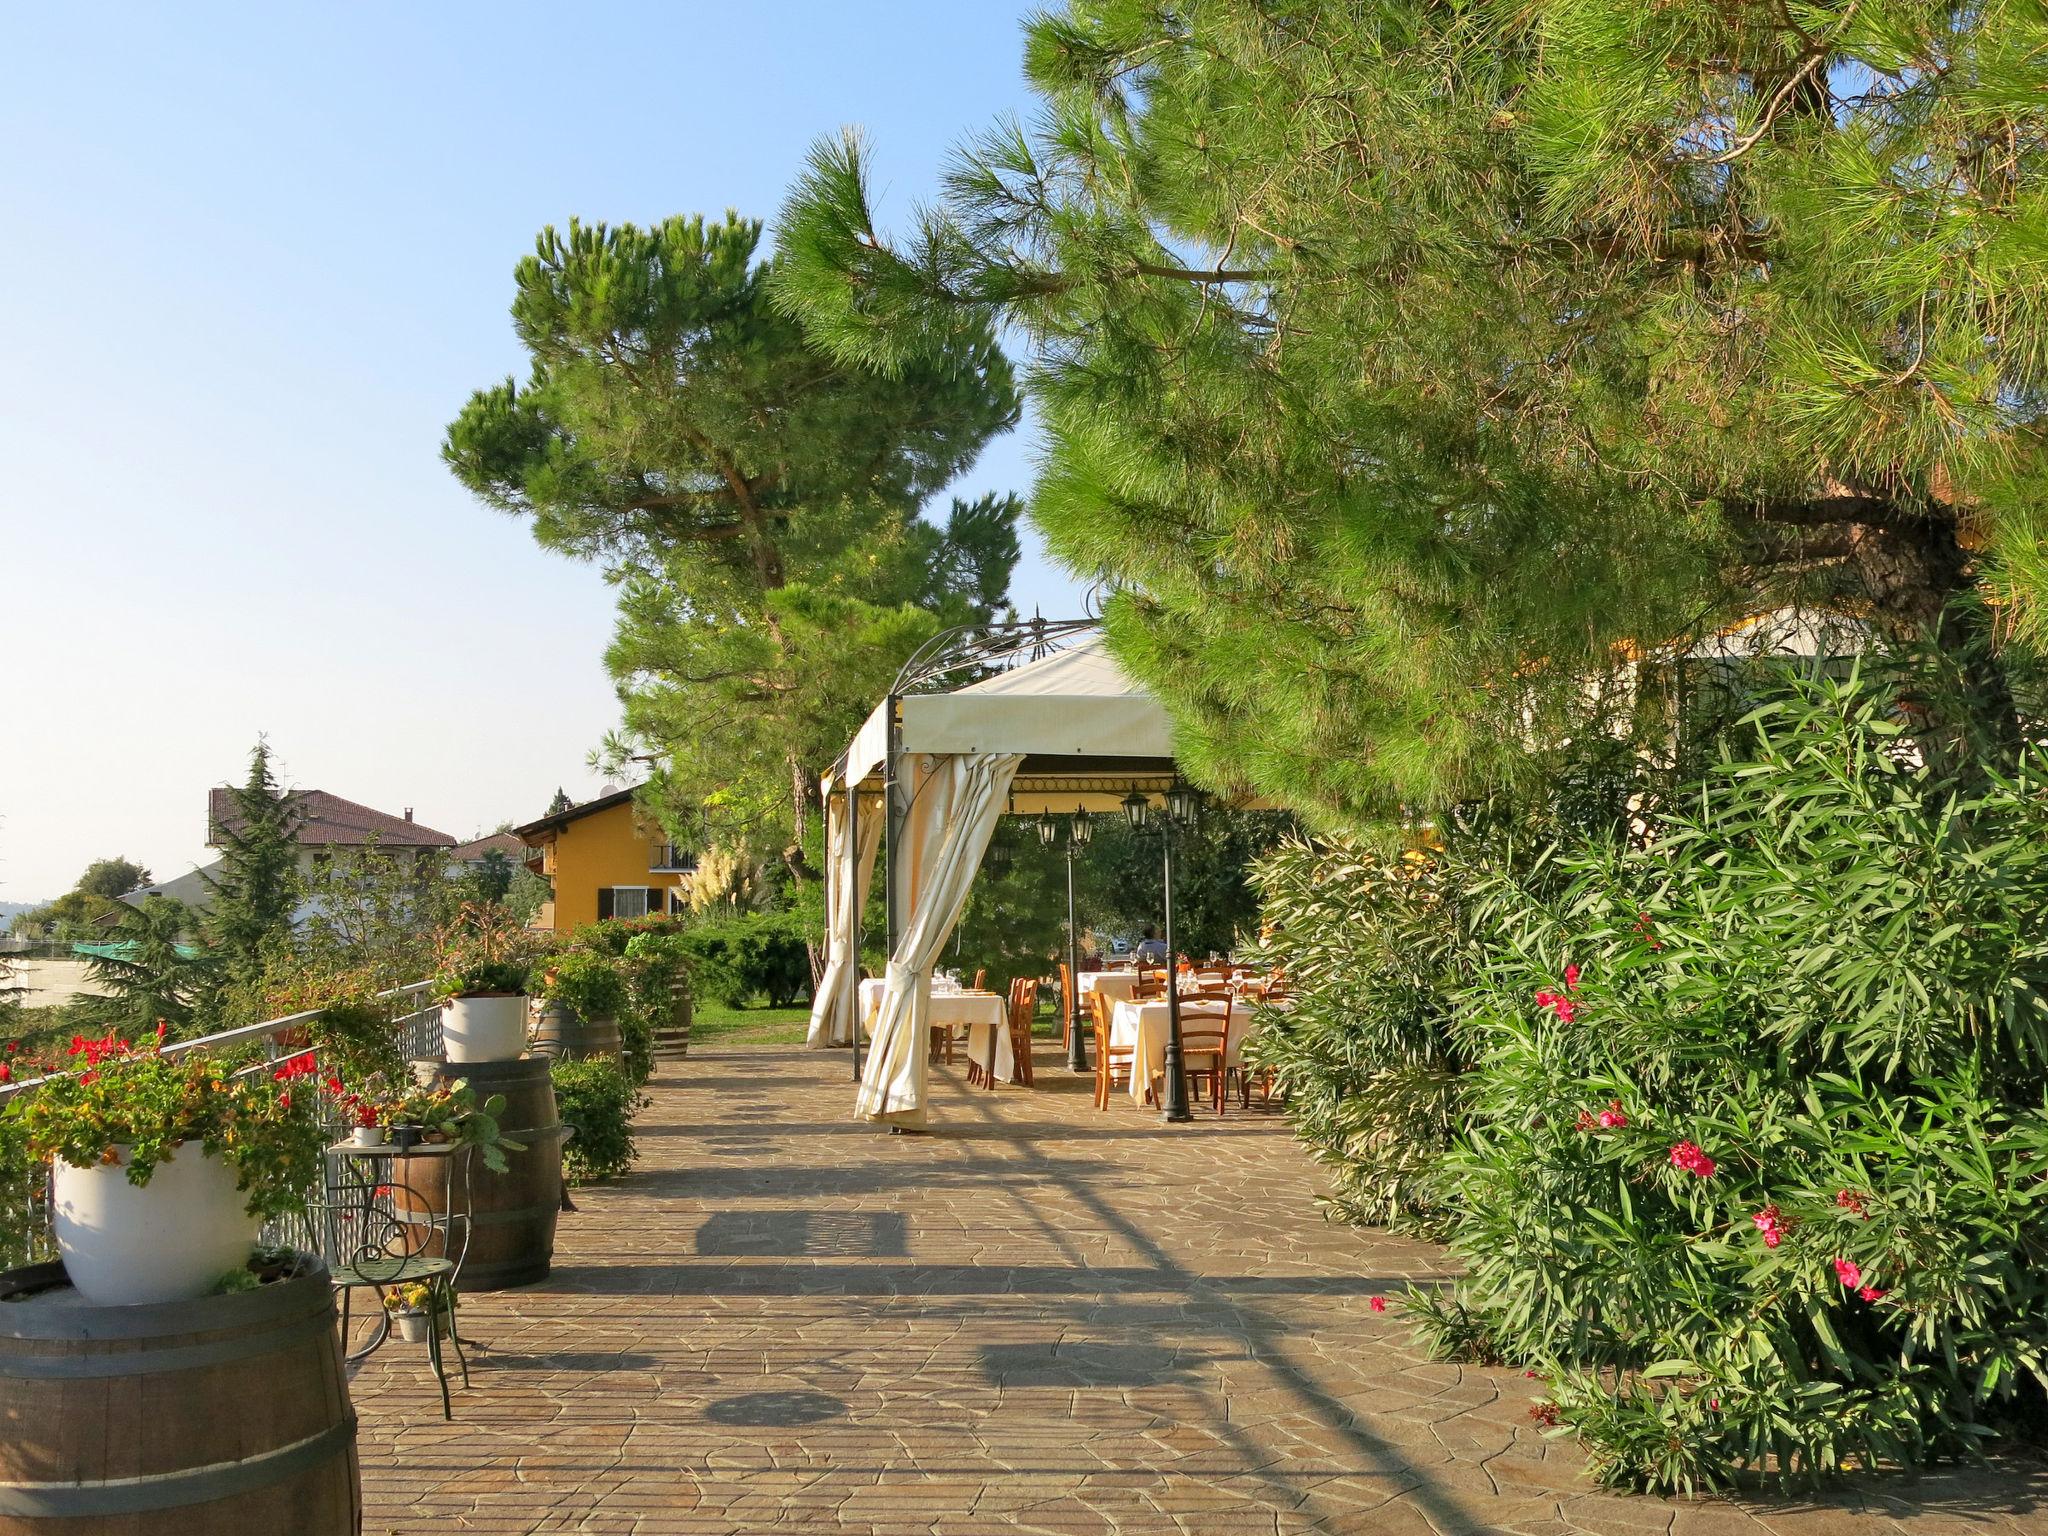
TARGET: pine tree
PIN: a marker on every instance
(1407, 367)
(756, 502)
(257, 890)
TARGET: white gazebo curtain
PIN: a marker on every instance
(848, 873)
(951, 806)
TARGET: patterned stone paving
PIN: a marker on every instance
(1036, 1319)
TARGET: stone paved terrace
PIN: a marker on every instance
(1037, 1319)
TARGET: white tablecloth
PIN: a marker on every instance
(1114, 985)
(984, 1013)
(1145, 1025)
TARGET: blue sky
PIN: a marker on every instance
(256, 258)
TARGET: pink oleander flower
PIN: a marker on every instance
(1689, 1157)
(1771, 1224)
(1378, 1303)
(1611, 1118)
(1571, 978)
(1852, 1202)
(1871, 1293)
(1849, 1273)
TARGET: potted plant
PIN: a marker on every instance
(448, 1112)
(482, 982)
(164, 1166)
(416, 1306)
(585, 991)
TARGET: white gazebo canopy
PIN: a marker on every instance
(1051, 723)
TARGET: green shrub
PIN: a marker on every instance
(1748, 1130)
(1364, 1057)
(588, 981)
(655, 962)
(734, 959)
(594, 1096)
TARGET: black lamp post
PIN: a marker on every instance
(1183, 805)
(1078, 833)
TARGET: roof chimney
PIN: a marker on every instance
(408, 813)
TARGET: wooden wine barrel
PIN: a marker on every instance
(180, 1418)
(512, 1214)
(560, 1031)
(672, 1038)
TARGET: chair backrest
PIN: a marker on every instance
(1066, 992)
(1103, 1009)
(1206, 1028)
(1027, 1002)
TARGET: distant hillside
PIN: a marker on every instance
(8, 909)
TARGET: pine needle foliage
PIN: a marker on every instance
(756, 502)
(1404, 363)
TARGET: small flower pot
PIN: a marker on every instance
(406, 1137)
(412, 1326)
(369, 1136)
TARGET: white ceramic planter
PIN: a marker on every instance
(489, 1028)
(412, 1326)
(369, 1136)
(169, 1240)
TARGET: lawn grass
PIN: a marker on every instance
(716, 1024)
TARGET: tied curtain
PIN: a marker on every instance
(953, 803)
(848, 872)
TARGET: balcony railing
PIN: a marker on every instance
(415, 1018)
(668, 859)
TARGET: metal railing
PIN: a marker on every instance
(414, 1016)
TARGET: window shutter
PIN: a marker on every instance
(604, 902)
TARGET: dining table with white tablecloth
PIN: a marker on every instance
(1144, 1026)
(1117, 986)
(985, 1015)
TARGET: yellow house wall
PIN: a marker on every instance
(603, 849)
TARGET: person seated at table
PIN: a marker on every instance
(1151, 948)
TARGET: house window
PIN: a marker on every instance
(626, 901)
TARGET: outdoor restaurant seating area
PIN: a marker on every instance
(1126, 1023)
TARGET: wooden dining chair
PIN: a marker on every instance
(1205, 1049)
(1068, 981)
(1150, 984)
(1114, 1064)
(980, 980)
(1023, 1008)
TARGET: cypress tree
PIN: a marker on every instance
(1408, 368)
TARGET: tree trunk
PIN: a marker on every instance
(1918, 579)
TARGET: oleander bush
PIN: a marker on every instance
(596, 1097)
(1734, 1115)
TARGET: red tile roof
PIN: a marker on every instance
(507, 843)
(328, 821)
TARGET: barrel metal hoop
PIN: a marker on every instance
(306, 1294)
(480, 1219)
(268, 1339)
(173, 1490)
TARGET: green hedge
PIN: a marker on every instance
(1734, 1117)
(735, 959)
